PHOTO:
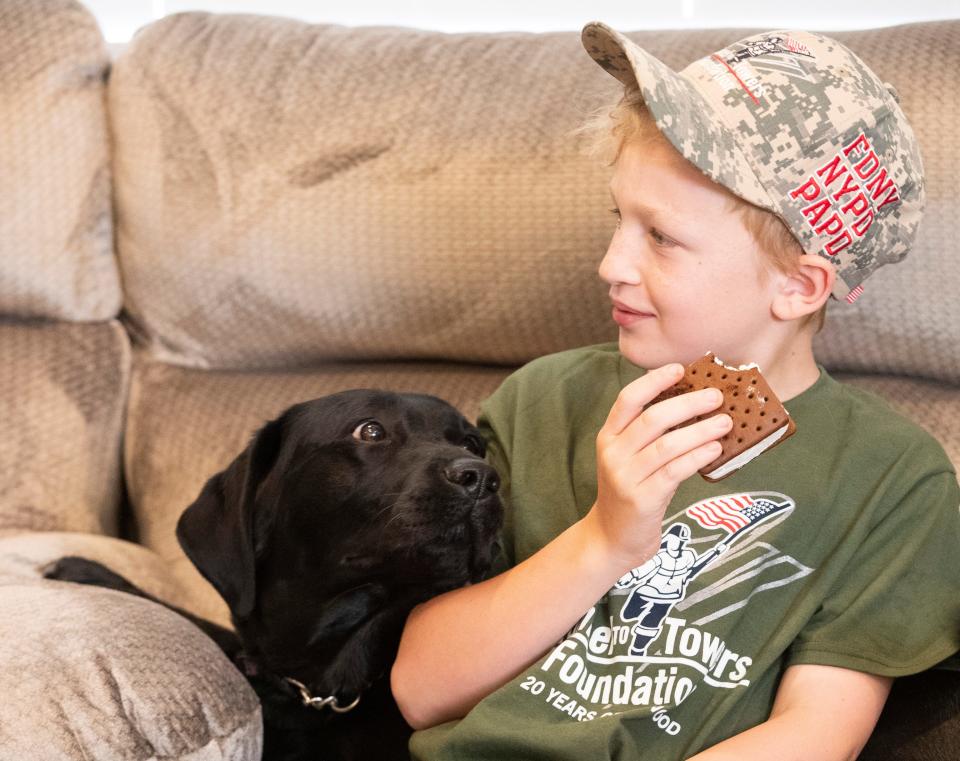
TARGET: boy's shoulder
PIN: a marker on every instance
(873, 422)
(596, 365)
(595, 373)
(583, 359)
(553, 378)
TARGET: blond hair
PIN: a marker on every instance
(629, 122)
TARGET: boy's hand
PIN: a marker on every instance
(640, 466)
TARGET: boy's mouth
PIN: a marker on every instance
(619, 306)
(624, 315)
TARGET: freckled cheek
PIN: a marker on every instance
(662, 290)
(723, 276)
(728, 287)
(682, 283)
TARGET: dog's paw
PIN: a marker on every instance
(83, 571)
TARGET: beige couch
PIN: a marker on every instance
(241, 212)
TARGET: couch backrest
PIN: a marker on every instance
(56, 229)
(64, 360)
(289, 193)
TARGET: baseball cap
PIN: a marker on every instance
(796, 123)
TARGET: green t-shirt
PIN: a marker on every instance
(837, 547)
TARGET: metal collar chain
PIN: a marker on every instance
(320, 703)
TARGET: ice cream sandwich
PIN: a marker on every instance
(760, 421)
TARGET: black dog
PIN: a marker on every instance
(336, 520)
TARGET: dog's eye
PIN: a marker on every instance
(475, 445)
(369, 430)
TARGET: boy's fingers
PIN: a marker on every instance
(636, 395)
(671, 474)
(671, 446)
(651, 424)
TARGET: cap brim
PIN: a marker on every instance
(682, 113)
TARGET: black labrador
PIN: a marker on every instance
(338, 518)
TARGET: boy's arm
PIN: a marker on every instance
(821, 713)
(459, 647)
(462, 645)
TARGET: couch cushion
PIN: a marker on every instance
(289, 193)
(56, 228)
(24, 554)
(185, 425)
(64, 390)
(292, 192)
(99, 674)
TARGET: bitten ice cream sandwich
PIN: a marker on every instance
(760, 421)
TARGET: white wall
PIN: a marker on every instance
(120, 18)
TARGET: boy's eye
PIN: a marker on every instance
(616, 212)
(659, 238)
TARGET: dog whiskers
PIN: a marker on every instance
(391, 505)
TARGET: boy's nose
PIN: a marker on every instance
(617, 267)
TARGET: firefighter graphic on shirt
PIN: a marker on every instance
(662, 581)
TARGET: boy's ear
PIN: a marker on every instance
(803, 292)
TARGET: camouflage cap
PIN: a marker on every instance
(796, 123)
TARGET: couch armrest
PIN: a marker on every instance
(91, 673)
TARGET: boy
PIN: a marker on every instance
(644, 612)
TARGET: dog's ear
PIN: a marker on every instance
(217, 530)
(347, 611)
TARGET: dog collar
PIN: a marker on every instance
(320, 703)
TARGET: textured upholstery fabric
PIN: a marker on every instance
(185, 425)
(90, 673)
(63, 389)
(353, 222)
(56, 228)
(25, 554)
(289, 193)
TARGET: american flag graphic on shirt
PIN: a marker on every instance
(734, 512)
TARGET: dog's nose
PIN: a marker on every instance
(475, 477)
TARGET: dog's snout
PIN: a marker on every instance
(474, 476)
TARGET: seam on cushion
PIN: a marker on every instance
(219, 741)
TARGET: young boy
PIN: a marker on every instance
(641, 611)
